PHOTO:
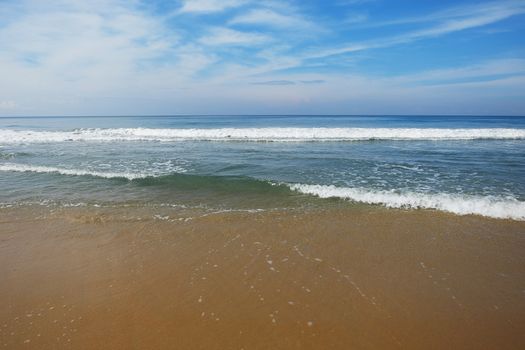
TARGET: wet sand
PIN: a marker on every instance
(140, 278)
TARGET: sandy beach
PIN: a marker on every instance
(365, 278)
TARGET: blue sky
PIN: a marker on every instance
(115, 57)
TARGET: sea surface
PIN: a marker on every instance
(462, 165)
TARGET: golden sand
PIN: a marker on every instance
(325, 279)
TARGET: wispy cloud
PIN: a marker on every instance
(492, 70)
(450, 21)
(316, 81)
(226, 36)
(275, 82)
(458, 13)
(289, 82)
(269, 17)
(209, 6)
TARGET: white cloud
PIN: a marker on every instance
(66, 57)
(226, 36)
(71, 40)
(208, 6)
(268, 17)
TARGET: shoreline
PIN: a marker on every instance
(322, 278)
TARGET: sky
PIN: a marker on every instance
(169, 57)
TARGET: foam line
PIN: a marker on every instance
(22, 168)
(501, 208)
(258, 134)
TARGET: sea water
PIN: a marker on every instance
(458, 164)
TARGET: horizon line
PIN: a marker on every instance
(262, 115)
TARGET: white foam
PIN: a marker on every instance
(501, 208)
(12, 167)
(8, 136)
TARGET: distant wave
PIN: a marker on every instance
(8, 136)
(457, 204)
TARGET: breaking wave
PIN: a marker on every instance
(460, 204)
(258, 134)
(22, 168)
(501, 208)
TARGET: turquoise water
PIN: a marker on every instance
(463, 165)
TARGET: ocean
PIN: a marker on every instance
(464, 165)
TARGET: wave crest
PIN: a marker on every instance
(22, 168)
(258, 134)
(458, 204)
(494, 207)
